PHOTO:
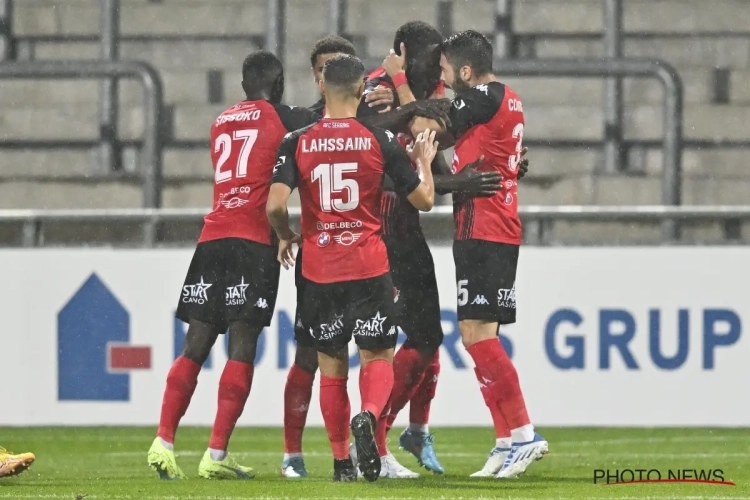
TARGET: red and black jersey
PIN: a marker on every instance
(488, 120)
(338, 166)
(398, 216)
(244, 141)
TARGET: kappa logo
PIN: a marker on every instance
(261, 304)
(324, 239)
(235, 295)
(371, 327)
(347, 238)
(197, 293)
(483, 88)
(390, 135)
(234, 202)
(396, 294)
(506, 297)
(281, 160)
(480, 300)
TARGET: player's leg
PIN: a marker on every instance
(424, 331)
(299, 384)
(200, 306)
(251, 284)
(234, 388)
(12, 464)
(372, 313)
(334, 404)
(324, 312)
(498, 454)
(485, 274)
(297, 396)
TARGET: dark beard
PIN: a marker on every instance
(460, 86)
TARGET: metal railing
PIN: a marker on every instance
(537, 219)
(151, 151)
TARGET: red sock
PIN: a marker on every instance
(496, 366)
(502, 429)
(297, 395)
(421, 399)
(382, 428)
(181, 382)
(375, 386)
(234, 387)
(334, 403)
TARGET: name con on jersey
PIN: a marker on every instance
(336, 144)
(515, 105)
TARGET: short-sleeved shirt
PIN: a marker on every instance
(338, 166)
(488, 120)
(244, 142)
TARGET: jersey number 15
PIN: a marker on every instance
(332, 186)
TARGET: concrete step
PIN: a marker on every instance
(182, 55)
(63, 17)
(661, 16)
(57, 195)
(721, 51)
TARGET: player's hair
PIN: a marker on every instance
(263, 75)
(469, 48)
(422, 43)
(344, 72)
(331, 44)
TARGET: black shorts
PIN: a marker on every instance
(229, 280)
(301, 331)
(486, 280)
(363, 309)
(416, 296)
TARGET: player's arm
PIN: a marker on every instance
(394, 65)
(285, 178)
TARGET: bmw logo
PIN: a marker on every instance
(324, 239)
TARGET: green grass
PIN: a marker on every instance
(97, 463)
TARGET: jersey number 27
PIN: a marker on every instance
(332, 185)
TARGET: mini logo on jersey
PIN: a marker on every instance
(480, 300)
(197, 293)
(389, 134)
(332, 329)
(459, 104)
(483, 88)
(508, 199)
(261, 304)
(324, 239)
(235, 295)
(396, 294)
(371, 327)
(347, 238)
(506, 297)
(392, 331)
(234, 202)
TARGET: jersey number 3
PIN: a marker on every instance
(332, 182)
(515, 159)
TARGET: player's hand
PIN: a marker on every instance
(395, 63)
(523, 165)
(425, 147)
(286, 250)
(381, 96)
(434, 109)
(475, 183)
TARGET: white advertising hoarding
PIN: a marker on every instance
(605, 337)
